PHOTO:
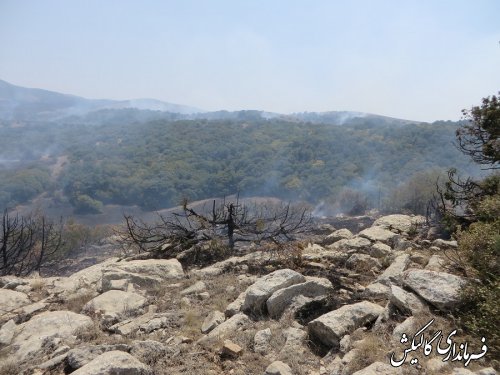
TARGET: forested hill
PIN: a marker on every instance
(155, 164)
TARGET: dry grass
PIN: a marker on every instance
(76, 302)
(9, 367)
(371, 349)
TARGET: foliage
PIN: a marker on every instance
(480, 137)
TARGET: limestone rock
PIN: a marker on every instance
(341, 234)
(393, 273)
(282, 298)
(29, 336)
(114, 363)
(257, 293)
(377, 290)
(211, 321)
(235, 306)
(407, 326)
(443, 244)
(355, 243)
(113, 304)
(399, 223)
(379, 250)
(7, 332)
(144, 273)
(146, 323)
(11, 300)
(82, 355)
(378, 234)
(331, 327)
(278, 368)
(378, 368)
(362, 262)
(261, 341)
(405, 301)
(438, 288)
(436, 263)
(148, 351)
(233, 324)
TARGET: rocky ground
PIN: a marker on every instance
(341, 303)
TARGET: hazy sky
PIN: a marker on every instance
(420, 60)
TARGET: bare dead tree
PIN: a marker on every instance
(26, 242)
(230, 222)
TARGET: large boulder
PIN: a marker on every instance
(257, 294)
(399, 223)
(147, 273)
(378, 368)
(79, 357)
(406, 302)
(282, 298)
(438, 288)
(278, 368)
(392, 274)
(362, 263)
(331, 327)
(115, 304)
(114, 362)
(29, 337)
(233, 324)
(10, 300)
(341, 234)
(378, 234)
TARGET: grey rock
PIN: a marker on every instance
(282, 298)
(235, 306)
(331, 327)
(392, 274)
(82, 355)
(438, 288)
(257, 293)
(278, 368)
(378, 368)
(212, 320)
(362, 262)
(7, 332)
(379, 250)
(405, 301)
(114, 363)
(399, 223)
(11, 300)
(378, 234)
(261, 341)
(196, 288)
(233, 324)
(114, 304)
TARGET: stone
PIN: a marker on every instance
(7, 333)
(436, 263)
(235, 306)
(407, 326)
(362, 262)
(53, 362)
(405, 301)
(341, 234)
(392, 274)
(443, 244)
(345, 344)
(257, 293)
(230, 349)
(29, 337)
(331, 327)
(233, 324)
(376, 290)
(11, 300)
(212, 320)
(120, 284)
(355, 243)
(278, 368)
(114, 304)
(147, 273)
(399, 223)
(419, 259)
(282, 298)
(379, 250)
(438, 288)
(114, 363)
(82, 355)
(261, 341)
(378, 368)
(378, 234)
(146, 323)
(196, 288)
(461, 371)
(487, 371)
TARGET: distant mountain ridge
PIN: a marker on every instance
(21, 103)
(30, 104)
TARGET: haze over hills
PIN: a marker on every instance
(32, 104)
(21, 103)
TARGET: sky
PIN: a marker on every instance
(421, 60)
